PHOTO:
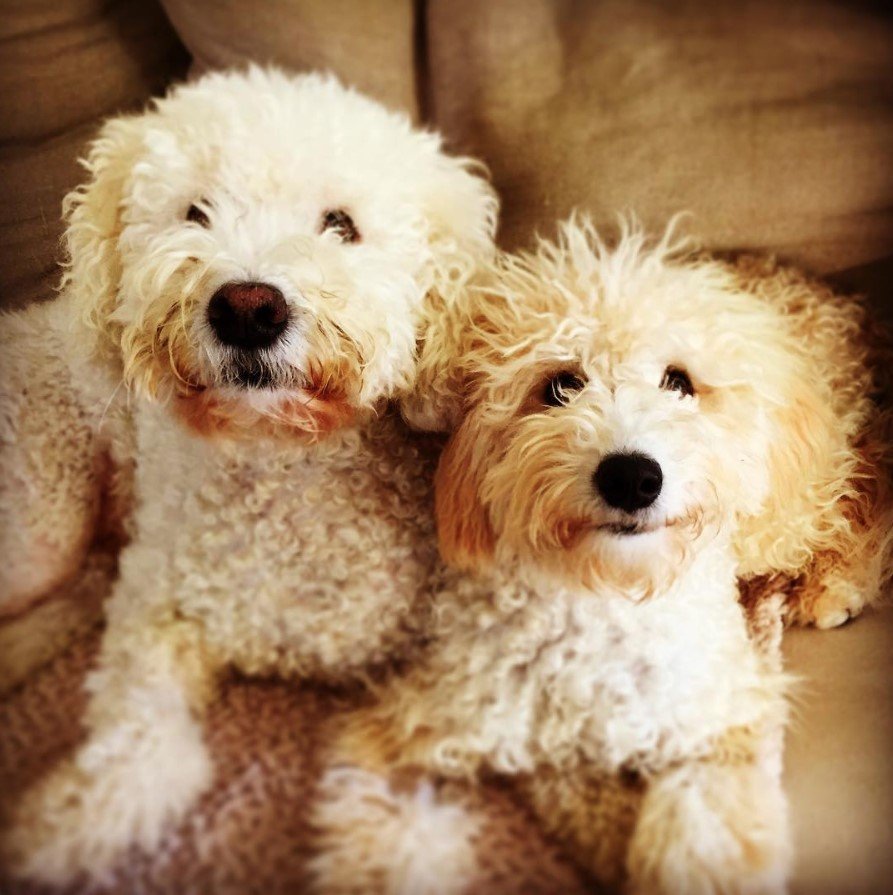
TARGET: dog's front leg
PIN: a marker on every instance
(51, 466)
(143, 763)
(709, 827)
(391, 834)
(384, 826)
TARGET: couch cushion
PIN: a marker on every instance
(65, 67)
(772, 122)
(368, 45)
(838, 761)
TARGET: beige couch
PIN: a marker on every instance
(772, 123)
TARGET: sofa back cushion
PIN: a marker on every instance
(65, 67)
(771, 122)
(368, 45)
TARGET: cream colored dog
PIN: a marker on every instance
(250, 269)
(640, 427)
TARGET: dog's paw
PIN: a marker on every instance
(61, 829)
(375, 835)
(711, 830)
(839, 601)
(77, 822)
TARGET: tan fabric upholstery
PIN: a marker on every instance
(771, 122)
(65, 66)
(839, 757)
(368, 45)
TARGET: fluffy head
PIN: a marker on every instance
(296, 183)
(744, 387)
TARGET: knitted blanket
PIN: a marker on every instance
(250, 834)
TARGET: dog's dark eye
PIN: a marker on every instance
(196, 216)
(560, 387)
(677, 380)
(342, 223)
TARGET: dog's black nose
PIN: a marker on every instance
(248, 315)
(629, 481)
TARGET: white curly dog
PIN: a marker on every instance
(250, 268)
(636, 428)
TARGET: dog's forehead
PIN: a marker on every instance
(282, 163)
(627, 316)
(304, 136)
(613, 327)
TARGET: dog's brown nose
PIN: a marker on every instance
(248, 315)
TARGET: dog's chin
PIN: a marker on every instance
(263, 408)
(629, 543)
(634, 560)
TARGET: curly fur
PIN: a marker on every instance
(575, 650)
(251, 508)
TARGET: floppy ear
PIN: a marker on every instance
(458, 336)
(93, 215)
(786, 531)
(464, 531)
(461, 208)
(828, 518)
(806, 449)
(437, 398)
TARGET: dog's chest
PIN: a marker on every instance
(600, 680)
(306, 560)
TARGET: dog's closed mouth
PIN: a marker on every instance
(251, 375)
(621, 528)
(254, 377)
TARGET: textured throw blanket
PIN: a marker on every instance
(249, 834)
